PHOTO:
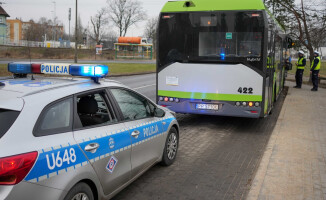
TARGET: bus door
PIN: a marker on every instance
(278, 64)
(269, 81)
(270, 72)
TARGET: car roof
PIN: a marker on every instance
(18, 88)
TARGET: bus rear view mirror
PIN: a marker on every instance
(290, 43)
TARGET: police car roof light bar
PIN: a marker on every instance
(93, 71)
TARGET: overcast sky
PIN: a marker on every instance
(34, 9)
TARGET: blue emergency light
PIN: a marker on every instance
(86, 70)
(222, 55)
(95, 71)
(20, 68)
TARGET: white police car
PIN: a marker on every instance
(73, 138)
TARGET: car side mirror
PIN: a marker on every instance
(158, 112)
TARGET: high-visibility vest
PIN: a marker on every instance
(269, 62)
(300, 63)
(318, 65)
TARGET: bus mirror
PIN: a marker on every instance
(290, 43)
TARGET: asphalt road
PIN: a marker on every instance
(6, 61)
(145, 84)
(217, 159)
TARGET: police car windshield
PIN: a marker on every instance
(210, 36)
(7, 118)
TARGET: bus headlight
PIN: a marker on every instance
(257, 104)
(244, 103)
(237, 103)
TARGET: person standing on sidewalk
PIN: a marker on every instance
(314, 71)
(300, 69)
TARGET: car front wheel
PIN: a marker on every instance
(171, 147)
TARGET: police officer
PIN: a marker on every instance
(300, 69)
(315, 67)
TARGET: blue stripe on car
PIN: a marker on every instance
(48, 164)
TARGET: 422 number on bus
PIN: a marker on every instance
(245, 90)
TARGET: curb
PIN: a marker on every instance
(259, 178)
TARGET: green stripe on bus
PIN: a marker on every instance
(210, 96)
(213, 5)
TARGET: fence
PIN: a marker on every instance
(47, 44)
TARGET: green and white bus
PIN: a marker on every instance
(220, 57)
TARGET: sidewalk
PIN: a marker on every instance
(294, 162)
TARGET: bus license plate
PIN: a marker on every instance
(207, 106)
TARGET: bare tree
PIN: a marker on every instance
(98, 23)
(150, 28)
(36, 31)
(109, 39)
(306, 21)
(125, 13)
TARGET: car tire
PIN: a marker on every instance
(81, 191)
(170, 147)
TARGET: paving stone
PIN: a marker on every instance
(293, 165)
(217, 159)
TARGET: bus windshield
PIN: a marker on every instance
(221, 36)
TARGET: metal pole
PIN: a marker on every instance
(69, 18)
(76, 35)
(53, 26)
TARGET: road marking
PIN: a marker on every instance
(145, 86)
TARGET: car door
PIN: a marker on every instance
(146, 130)
(104, 140)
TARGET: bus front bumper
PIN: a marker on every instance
(225, 108)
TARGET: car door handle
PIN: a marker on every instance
(135, 134)
(92, 147)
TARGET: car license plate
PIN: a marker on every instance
(207, 106)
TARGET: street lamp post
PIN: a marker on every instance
(69, 18)
(76, 35)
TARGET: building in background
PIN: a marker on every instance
(14, 30)
(3, 25)
(20, 32)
